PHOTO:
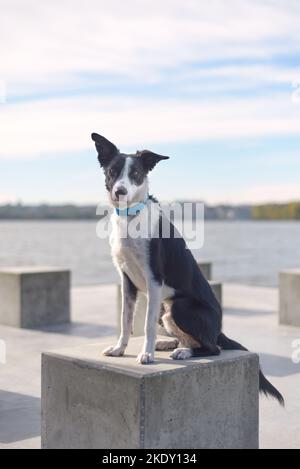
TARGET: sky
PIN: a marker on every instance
(215, 85)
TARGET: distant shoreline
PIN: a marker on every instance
(90, 220)
(69, 212)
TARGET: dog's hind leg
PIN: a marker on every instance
(166, 345)
(194, 327)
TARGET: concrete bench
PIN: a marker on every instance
(34, 296)
(92, 401)
(289, 293)
(141, 306)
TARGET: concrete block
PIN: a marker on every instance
(289, 293)
(91, 401)
(217, 288)
(206, 269)
(34, 296)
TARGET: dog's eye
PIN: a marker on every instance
(135, 173)
(112, 172)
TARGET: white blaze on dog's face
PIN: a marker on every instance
(125, 175)
(131, 185)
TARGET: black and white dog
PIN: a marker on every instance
(161, 267)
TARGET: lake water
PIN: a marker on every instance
(242, 252)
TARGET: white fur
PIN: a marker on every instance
(145, 357)
(131, 256)
(134, 193)
(181, 354)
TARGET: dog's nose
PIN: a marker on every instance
(121, 191)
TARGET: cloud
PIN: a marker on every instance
(50, 45)
(241, 77)
(198, 50)
(145, 73)
(256, 194)
(33, 129)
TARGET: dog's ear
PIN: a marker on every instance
(106, 150)
(150, 159)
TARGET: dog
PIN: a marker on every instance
(163, 268)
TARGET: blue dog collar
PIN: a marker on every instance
(131, 211)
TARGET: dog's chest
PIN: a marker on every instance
(130, 255)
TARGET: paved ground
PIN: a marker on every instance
(250, 317)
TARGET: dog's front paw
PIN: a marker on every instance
(181, 354)
(145, 357)
(113, 351)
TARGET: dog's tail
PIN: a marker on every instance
(265, 386)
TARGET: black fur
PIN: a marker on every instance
(132, 290)
(149, 159)
(113, 171)
(173, 263)
(106, 150)
(195, 309)
(112, 162)
(202, 327)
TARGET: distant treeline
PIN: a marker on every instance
(228, 212)
(289, 211)
(47, 212)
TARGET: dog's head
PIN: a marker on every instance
(125, 175)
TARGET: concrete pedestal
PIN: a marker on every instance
(34, 296)
(206, 269)
(217, 288)
(92, 401)
(289, 292)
